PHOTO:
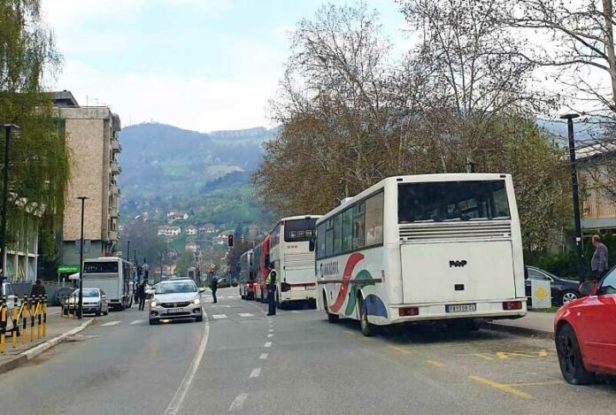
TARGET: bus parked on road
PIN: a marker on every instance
(247, 279)
(292, 253)
(261, 260)
(113, 276)
(420, 248)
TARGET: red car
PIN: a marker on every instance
(586, 332)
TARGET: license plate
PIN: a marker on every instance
(175, 310)
(460, 308)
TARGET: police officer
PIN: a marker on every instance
(271, 290)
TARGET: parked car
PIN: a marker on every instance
(563, 290)
(94, 302)
(176, 299)
(586, 333)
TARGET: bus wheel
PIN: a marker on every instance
(367, 329)
(332, 318)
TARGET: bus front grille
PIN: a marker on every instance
(455, 230)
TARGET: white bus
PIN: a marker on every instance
(247, 278)
(292, 253)
(112, 275)
(425, 247)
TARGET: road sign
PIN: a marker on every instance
(68, 269)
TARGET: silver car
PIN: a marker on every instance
(94, 302)
(176, 299)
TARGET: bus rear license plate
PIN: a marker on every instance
(460, 308)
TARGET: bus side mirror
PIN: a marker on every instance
(311, 245)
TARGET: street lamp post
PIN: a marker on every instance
(576, 196)
(80, 306)
(8, 128)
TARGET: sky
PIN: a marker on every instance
(202, 65)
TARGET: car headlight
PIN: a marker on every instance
(196, 301)
(154, 303)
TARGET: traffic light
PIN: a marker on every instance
(230, 240)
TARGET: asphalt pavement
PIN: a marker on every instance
(240, 361)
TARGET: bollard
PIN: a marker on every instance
(32, 313)
(15, 325)
(3, 322)
(44, 316)
(39, 316)
(24, 318)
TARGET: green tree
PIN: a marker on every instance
(144, 239)
(184, 261)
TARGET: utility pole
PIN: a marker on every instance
(80, 306)
(576, 197)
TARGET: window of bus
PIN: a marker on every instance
(359, 225)
(337, 234)
(347, 230)
(321, 240)
(276, 236)
(299, 229)
(329, 238)
(103, 267)
(452, 201)
(374, 220)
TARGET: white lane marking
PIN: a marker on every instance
(136, 322)
(267, 344)
(255, 373)
(269, 336)
(218, 316)
(111, 323)
(263, 356)
(238, 402)
(178, 398)
(271, 330)
(245, 314)
(295, 311)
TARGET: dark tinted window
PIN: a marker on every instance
(100, 267)
(299, 230)
(609, 283)
(452, 201)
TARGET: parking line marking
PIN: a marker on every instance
(435, 363)
(501, 387)
(111, 323)
(255, 373)
(238, 402)
(553, 382)
(267, 344)
(136, 322)
(246, 315)
(350, 333)
(400, 349)
(263, 356)
(218, 316)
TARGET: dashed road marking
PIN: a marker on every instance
(501, 387)
(136, 322)
(219, 316)
(435, 363)
(245, 314)
(263, 356)
(255, 373)
(238, 402)
(400, 349)
(349, 333)
(267, 344)
(271, 330)
(111, 323)
(269, 336)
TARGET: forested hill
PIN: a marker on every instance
(168, 168)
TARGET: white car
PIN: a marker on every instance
(176, 299)
(94, 302)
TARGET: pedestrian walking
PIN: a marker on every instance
(598, 263)
(38, 289)
(271, 290)
(214, 285)
(141, 295)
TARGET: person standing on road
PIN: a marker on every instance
(271, 290)
(141, 295)
(38, 289)
(214, 285)
(598, 263)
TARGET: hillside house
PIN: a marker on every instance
(208, 228)
(192, 246)
(169, 231)
(175, 216)
(191, 230)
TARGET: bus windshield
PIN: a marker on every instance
(452, 201)
(100, 267)
(299, 230)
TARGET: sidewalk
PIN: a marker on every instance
(535, 323)
(58, 329)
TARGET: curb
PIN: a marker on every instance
(30, 354)
(520, 331)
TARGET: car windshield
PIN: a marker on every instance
(176, 287)
(90, 292)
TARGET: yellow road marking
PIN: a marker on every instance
(501, 387)
(507, 355)
(400, 349)
(348, 332)
(435, 363)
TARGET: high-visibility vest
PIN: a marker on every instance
(271, 277)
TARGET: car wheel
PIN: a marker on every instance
(568, 296)
(99, 312)
(570, 357)
(367, 329)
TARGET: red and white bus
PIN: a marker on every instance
(292, 253)
(261, 260)
(247, 276)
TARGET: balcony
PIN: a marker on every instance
(113, 235)
(114, 212)
(115, 168)
(116, 147)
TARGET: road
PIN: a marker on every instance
(240, 361)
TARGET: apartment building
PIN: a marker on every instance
(92, 136)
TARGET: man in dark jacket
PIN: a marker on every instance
(214, 285)
(598, 263)
(141, 295)
(38, 289)
(271, 281)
